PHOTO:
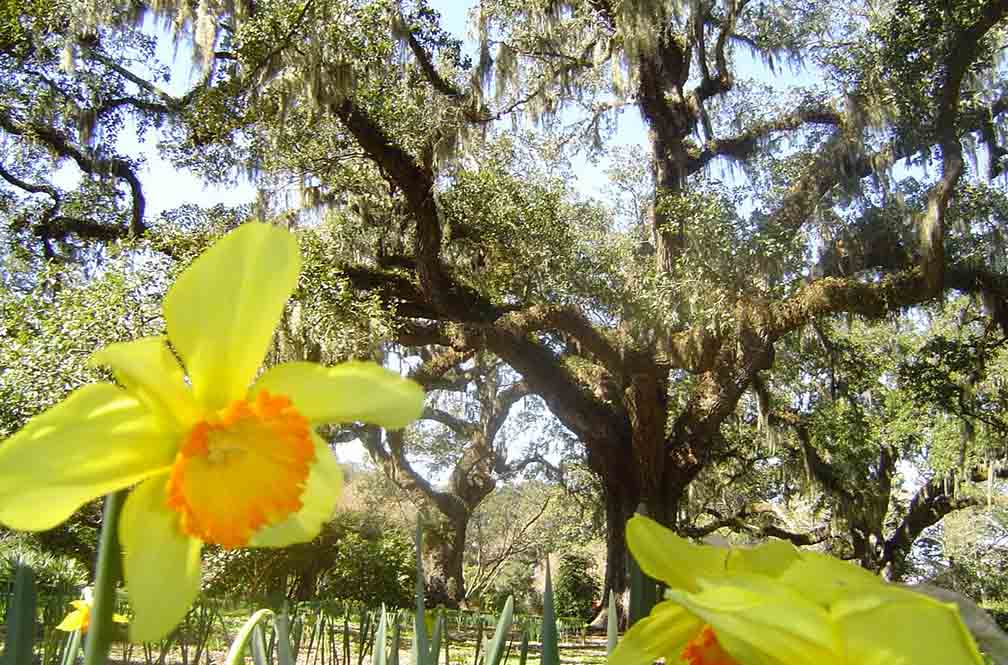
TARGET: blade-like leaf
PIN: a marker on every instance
(378, 649)
(435, 645)
(612, 625)
(393, 657)
(549, 653)
(281, 626)
(258, 646)
(241, 640)
(21, 618)
(72, 648)
(420, 651)
(496, 645)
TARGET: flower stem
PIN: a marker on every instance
(107, 574)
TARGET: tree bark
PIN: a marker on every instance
(619, 507)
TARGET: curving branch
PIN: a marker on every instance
(459, 426)
(962, 52)
(927, 507)
(876, 299)
(501, 407)
(431, 73)
(743, 522)
(712, 86)
(88, 163)
(744, 145)
(571, 322)
(390, 455)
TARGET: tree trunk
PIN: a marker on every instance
(445, 542)
(619, 507)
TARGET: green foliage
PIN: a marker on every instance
(515, 580)
(52, 326)
(576, 587)
(53, 574)
(355, 557)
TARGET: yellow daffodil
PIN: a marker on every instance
(80, 617)
(217, 454)
(777, 605)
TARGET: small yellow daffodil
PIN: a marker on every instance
(217, 455)
(777, 605)
(80, 617)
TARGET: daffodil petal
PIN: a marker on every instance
(348, 392)
(758, 622)
(149, 372)
(771, 558)
(921, 630)
(96, 441)
(222, 310)
(665, 556)
(663, 633)
(322, 491)
(72, 621)
(80, 605)
(823, 579)
(161, 565)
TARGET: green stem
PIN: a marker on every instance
(107, 573)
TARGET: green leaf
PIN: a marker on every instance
(393, 657)
(435, 646)
(21, 618)
(612, 625)
(259, 656)
(549, 653)
(72, 648)
(495, 647)
(378, 649)
(241, 640)
(420, 649)
(281, 626)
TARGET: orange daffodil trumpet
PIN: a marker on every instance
(777, 605)
(217, 455)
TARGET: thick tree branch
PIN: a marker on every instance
(460, 427)
(743, 522)
(501, 408)
(875, 299)
(927, 507)
(90, 164)
(746, 144)
(169, 103)
(438, 82)
(391, 457)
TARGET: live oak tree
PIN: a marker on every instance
(468, 431)
(642, 339)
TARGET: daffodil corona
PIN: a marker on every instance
(217, 455)
(777, 605)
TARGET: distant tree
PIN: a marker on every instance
(469, 431)
(575, 589)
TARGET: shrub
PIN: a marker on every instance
(357, 556)
(575, 587)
